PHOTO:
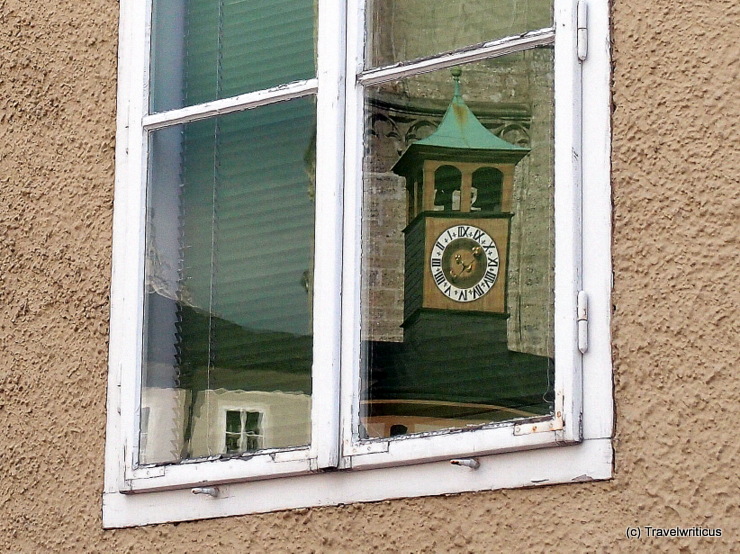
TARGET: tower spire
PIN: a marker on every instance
(456, 72)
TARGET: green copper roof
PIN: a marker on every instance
(460, 130)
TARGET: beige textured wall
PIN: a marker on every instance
(675, 181)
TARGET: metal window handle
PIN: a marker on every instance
(210, 491)
(472, 463)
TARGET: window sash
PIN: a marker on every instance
(564, 425)
(129, 252)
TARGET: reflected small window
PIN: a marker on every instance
(243, 431)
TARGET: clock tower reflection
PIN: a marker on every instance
(454, 367)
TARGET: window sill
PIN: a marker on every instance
(589, 461)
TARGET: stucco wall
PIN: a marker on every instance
(675, 324)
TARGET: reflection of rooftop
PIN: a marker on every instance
(456, 376)
(459, 131)
(398, 121)
(217, 353)
(211, 352)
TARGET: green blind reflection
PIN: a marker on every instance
(203, 50)
(229, 273)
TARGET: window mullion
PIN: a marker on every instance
(328, 237)
(350, 384)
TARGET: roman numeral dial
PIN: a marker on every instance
(464, 262)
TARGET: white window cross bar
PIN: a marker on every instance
(224, 106)
(488, 50)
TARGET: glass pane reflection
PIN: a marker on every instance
(228, 324)
(203, 50)
(401, 30)
(457, 265)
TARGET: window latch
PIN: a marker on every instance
(582, 30)
(210, 491)
(472, 463)
(582, 321)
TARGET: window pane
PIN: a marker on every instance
(401, 30)
(204, 50)
(252, 422)
(233, 421)
(457, 265)
(228, 281)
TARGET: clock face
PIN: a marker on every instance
(464, 263)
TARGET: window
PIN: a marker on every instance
(354, 242)
(243, 432)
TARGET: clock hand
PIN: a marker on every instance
(458, 261)
(466, 268)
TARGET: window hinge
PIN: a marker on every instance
(582, 30)
(555, 423)
(582, 319)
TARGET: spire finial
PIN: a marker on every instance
(456, 72)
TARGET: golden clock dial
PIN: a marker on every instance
(464, 263)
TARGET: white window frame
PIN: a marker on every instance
(508, 454)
